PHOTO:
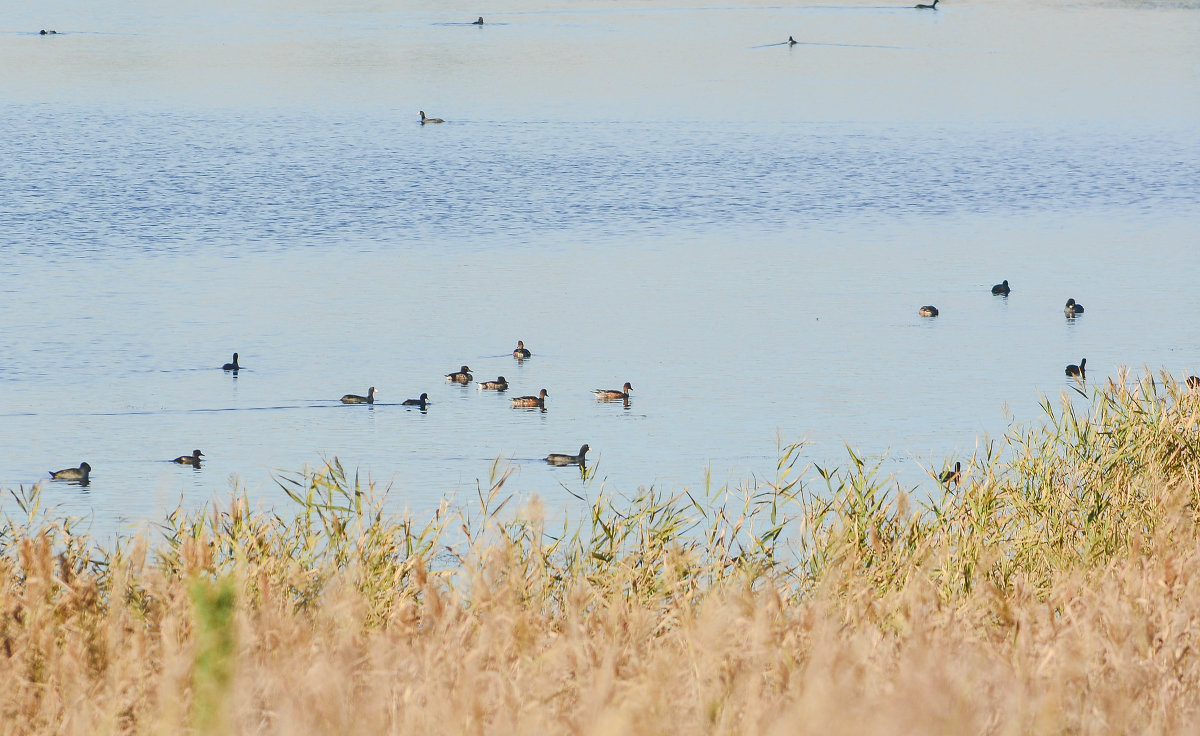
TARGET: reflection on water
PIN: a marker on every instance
(643, 197)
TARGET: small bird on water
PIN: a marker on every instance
(497, 385)
(479, 22)
(531, 401)
(1078, 371)
(928, 311)
(555, 458)
(611, 394)
(234, 365)
(952, 476)
(79, 474)
(356, 399)
(421, 402)
(1001, 288)
(462, 375)
(193, 459)
(1073, 308)
(429, 120)
(520, 353)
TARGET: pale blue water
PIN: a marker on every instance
(642, 193)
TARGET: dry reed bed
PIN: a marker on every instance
(1055, 591)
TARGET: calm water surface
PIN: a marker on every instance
(652, 193)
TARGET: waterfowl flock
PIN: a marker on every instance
(81, 475)
(463, 376)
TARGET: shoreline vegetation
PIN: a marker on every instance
(1054, 589)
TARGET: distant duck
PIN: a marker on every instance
(1078, 371)
(497, 385)
(429, 120)
(232, 366)
(610, 394)
(923, 6)
(1001, 288)
(527, 401)
(555, 458)
(193, 459)
(44, 32)
(421, 402)
(479, 22)
(928, 311)
(521, 353)
(462, 375)
(1193, 382)
(356, 399)
(952, 476)
(792, 41)
(77, 474)
(1072, 308)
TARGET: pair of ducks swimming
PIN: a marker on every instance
(83, 472)
(370, 399)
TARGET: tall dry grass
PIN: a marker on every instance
(1055, 591)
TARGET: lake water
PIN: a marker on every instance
(658, 193)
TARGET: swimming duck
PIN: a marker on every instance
(521, 353)
(928, 311)
(539, 400)
(555, 458)
(480, 22)
(44, 32)
(232, 366)
(1001, 288)
(421, 402)
(792, 41)
(193, 459)
(609, 394)
(923, 6)
(463, 375)
(952, 476)
(429, 120)
(497, 385)
(79, 474)
(1078, 371)
(1193, 382)
(1072, 308)
(356, 399)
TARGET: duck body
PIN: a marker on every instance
(791, 41)
(421, 402)
(78, 474)
(193, 459)
(479, 22)
(928, 311)
(520, 353)
(531, 401)
(497, 385)
(1072, 308)
(1077, 371)
(429, 120)
(44, 32)
(952, 476)
(356, 399)
(1001, 288)
(923, 6)
(612, 394)
(462, 375)
(555, 458)
(232, 366)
